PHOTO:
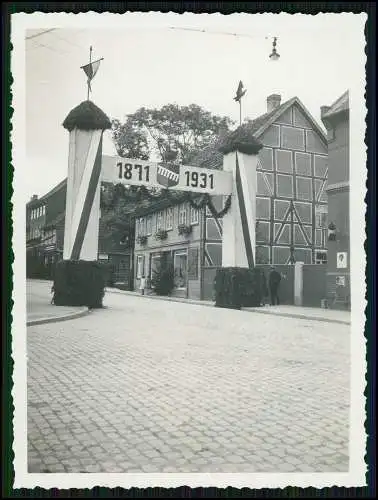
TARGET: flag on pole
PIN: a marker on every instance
(90, 70)
(240, 92)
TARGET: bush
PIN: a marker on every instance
(109, 274)
(79, 283)
(237, 287)
(163, 279)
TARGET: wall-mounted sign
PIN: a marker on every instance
(340, 280)
(341, 260)
(180, 177)
(103, 256)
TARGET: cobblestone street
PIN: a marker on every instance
(155, 386)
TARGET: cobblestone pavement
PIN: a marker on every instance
(153, 386)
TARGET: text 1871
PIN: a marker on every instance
(129, 171)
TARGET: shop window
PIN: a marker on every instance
(180, 268)
(155, 264)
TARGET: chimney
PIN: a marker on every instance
(324, 110)
(272, 102)
(34, 197)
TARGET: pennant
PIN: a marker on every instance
(90, 70)
(240, 92)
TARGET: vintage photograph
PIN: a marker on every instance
(189, 271)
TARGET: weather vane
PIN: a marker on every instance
(239, 94)
(90, 70)
(274, 56)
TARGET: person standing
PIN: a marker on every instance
(274, 283)
(263, 289)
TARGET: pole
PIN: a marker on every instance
(90, 61)
(240, 112)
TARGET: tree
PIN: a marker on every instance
(152, 132)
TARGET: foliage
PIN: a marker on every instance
(184, 229)
(130, 140)
(79, 283)
(142, 240)
(237, 287)
(117, 215)
(87, 116)
(154, 132)
(161, 234)
(163, 279)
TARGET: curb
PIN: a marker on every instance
(55, 319)
(300, 316)
(207, 304)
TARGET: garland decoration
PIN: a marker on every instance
(172, 195)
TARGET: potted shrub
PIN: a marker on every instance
(184, 229)
(142, 240)
(161, 234)
(162, 280)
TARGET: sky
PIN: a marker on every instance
(154, 59)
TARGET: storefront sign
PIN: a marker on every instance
(340, 280)
(179, 177)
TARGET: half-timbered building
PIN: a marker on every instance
(291, 205)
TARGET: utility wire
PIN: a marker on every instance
(218, 32)
(40, 33)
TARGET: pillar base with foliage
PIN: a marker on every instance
(79, 283)
(237, 287)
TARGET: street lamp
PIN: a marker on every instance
(274, 56)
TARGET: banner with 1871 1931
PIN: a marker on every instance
(165, 175)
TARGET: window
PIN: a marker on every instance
(140, 266)
(321, 216)
(183, 215)
(180, 268)
(321, 257)
(142, 226)
(159, 220)
(155, 264)
(194, 215)
(136, 228)
(169, 219)
(149, 225)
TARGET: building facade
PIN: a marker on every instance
(45, 218)
(171, 232)
(291, 204)
(336, 121)
(45, 231)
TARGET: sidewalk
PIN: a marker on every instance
(39, 307)
(308, 313)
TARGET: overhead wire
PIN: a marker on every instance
(40, 33)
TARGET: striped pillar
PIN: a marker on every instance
(239, 224)
(86, 124)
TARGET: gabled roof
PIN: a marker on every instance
(211, 157)
(263, 122)
(340, 105)
(52, 191)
